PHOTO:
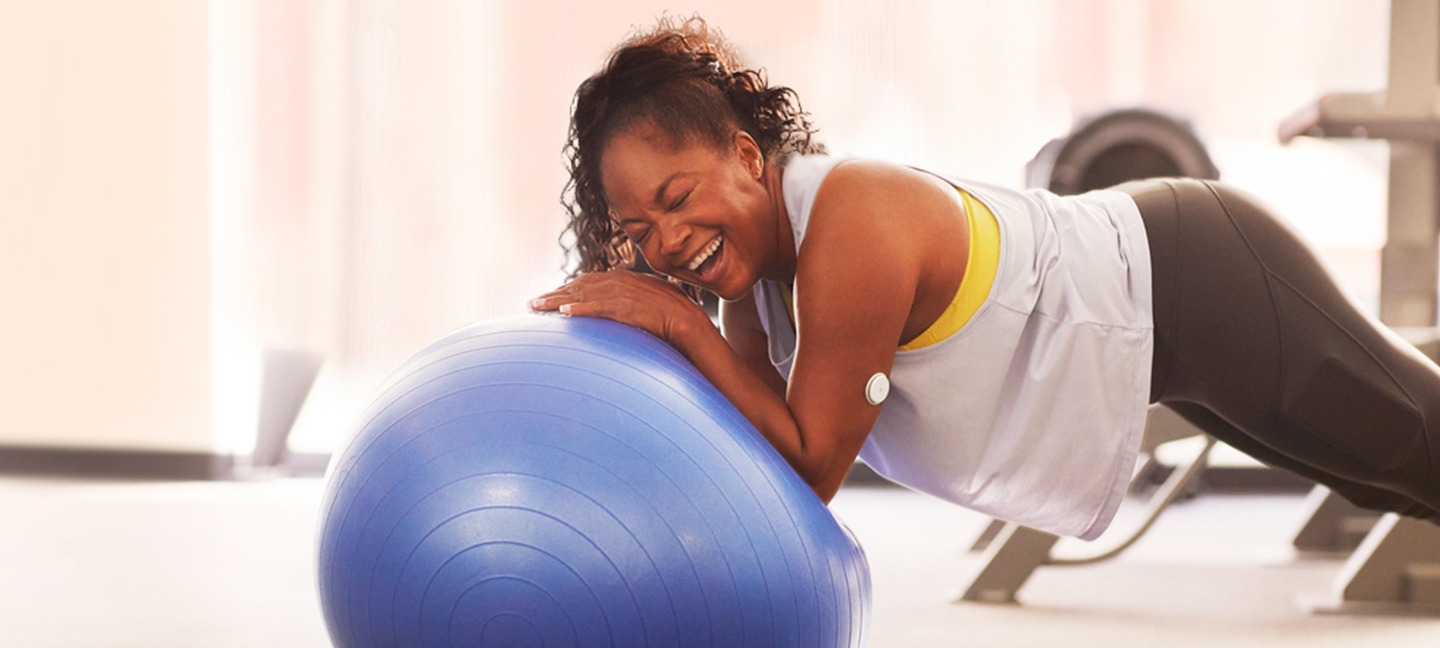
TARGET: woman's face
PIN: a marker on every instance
(701, 215)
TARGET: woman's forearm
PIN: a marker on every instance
(768, 411)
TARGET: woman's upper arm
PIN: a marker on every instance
(855, 285)
(740, 322)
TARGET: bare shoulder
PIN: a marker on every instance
(867, 181)
(869, 238)
(883, 202)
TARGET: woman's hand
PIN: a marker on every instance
(644, 301)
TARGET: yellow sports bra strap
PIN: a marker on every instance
(980, 270)
(788, 294)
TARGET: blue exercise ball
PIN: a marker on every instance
(559, 481)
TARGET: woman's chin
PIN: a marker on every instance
(731, 290)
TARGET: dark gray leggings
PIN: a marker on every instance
(1257, 346)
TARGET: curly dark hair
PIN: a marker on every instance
(686, 79)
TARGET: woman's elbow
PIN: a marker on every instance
(825, 475)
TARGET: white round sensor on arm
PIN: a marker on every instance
(877, 388)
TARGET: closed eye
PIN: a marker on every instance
(681, 200)
(640, 237)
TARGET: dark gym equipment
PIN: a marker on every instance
(1116, 147)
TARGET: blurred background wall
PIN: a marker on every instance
(185, 184)
(105, 247)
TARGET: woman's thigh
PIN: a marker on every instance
(1250, 325)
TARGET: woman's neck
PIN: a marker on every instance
(782, 265)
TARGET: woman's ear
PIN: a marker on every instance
(748, 152)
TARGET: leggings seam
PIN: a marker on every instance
(1270, 275)
(1269, 289)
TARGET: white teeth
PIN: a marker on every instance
(704, 254)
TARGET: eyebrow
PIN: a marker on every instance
(660, 192)
(659, 195)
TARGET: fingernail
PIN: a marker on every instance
(565, 309)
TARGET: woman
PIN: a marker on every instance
(1024, 334)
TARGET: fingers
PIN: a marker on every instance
(614, 295)
(573, 302)
(556, 299)
(590, 286)
(645, 302)
(591, 309)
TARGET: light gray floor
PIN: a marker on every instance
(155, 565)
(1214, 572)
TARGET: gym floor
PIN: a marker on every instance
(198, 564)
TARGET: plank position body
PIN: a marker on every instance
(1024, 334)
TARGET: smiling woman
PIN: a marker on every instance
(689, 208)
(1023, 334)
(678, 151)
(683, 81)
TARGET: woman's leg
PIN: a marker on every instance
(1251, 329)
(1361, 495)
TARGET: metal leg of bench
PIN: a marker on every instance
(987, 536)
(1332, 523)
(1008, 562)
(1395, 570)
(1016, 550)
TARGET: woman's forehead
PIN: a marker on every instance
(641, 161)
(645, 138)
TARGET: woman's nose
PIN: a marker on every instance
(673, 235)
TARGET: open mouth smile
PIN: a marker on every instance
(705, 254)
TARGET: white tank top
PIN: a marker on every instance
(1033, 411)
